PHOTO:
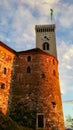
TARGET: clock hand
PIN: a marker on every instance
(45, 37)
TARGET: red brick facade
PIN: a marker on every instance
(36, 91)
(6, 62)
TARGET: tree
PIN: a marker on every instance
(69, 121)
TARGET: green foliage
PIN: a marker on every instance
(6, 123)
(27, 120)
(69, 121)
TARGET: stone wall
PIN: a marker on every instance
(35, 90)
(6, 61)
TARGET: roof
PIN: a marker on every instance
(45, 26)
(34, 50)
(7, 47)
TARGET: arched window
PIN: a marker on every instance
(46, 46)
(29, 58)
(4, 71)
(28, 69)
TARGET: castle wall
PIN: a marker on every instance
(35, 91)
(6, 61)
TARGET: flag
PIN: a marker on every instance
(51, 14)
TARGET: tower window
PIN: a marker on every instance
(28, 69)
(43, 75)
(46, 46)
(53, 104)
(54, 72)
(53, 62)
(2, 85)
(4, 71)
(29, 58)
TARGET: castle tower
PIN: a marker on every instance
(35, 98)
(45, 39)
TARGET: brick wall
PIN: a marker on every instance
(6, 61)
(35, 90)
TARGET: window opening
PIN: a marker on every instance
(4, 71)
(54, 72)
(46, 46)
(29, 58)
(53, 104)
(40, 121)
(53, 62)
(2, 85)
(28, 69)
(43, 75)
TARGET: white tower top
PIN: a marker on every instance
(45, 38)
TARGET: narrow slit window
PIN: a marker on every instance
(53, 62)
(28, 69)
(54, 72)
(29, 58)
(4, 71)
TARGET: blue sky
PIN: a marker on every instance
(17, 29)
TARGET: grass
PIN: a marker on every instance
(6, 123)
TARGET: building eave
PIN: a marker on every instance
(7, 47)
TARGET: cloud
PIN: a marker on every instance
(67, 14)
(17, 29)
(65, 53)
(63, 14)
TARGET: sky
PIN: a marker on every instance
(17, 30)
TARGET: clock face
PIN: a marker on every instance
(45, 37)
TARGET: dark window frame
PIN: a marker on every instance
(5, 70)
(53, 62)
(45, 46)
(28, 69)
(29, 58)
(43, 75)
(40, 120)
(54, 72)
(2, 86)
(53, 104)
